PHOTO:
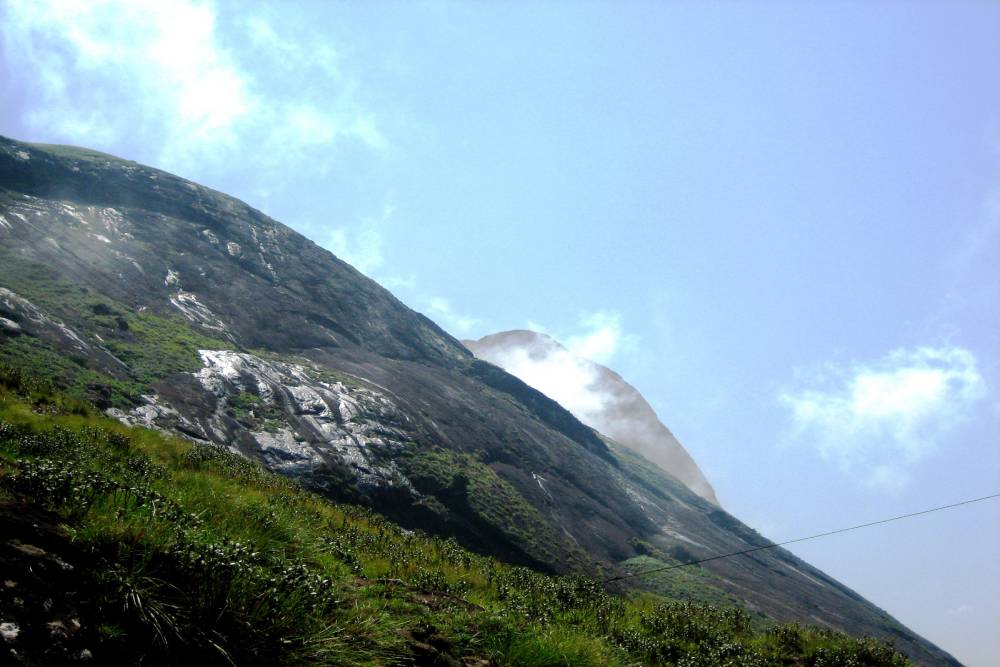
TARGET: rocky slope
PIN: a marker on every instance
(617, 409)
(177, 307)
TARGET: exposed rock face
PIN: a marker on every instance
(145, 236)
(619, 411)
(287, 415)
(175, 306)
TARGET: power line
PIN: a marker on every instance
(799, 539)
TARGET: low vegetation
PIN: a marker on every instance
(468, 481)
(693, 584)
(195, 553)
(151, 346)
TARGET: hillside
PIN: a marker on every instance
(172, 306)
(127, 547)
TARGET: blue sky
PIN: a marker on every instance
(780, 221)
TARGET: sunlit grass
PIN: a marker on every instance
(200, 554)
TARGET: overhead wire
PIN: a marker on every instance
(632, 575)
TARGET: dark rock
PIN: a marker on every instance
(48, 618)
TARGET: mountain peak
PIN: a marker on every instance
(596, 395)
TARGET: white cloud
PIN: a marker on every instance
(441, 311)
(362, 246)
(566, 374)
(407, 283)
(586, 389)
(887, 478)
(537, 327)
(885, 415)
(560, 375)
(164, 75)
(602, 337)
(961, 610)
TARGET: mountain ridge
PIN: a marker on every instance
(176, 307)
(623, 415)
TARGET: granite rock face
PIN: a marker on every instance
(285, 414)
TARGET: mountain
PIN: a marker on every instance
(169, 305)
(609, 404)
(124, 546)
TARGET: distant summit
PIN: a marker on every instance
(606, 402)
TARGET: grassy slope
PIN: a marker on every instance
(153, 346)
(198, 553)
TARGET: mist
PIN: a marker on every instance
(596, 395)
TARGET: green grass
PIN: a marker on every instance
(489, 496)
(692, 583)
(201, 555)
(76, 152)
(152, 346)
(70, 374)
(160, 346)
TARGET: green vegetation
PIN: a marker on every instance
(244, 404)
(77, 153)
(150, 346)
(692, 583)
(69, 374)
(254, 412)
(466, 480)
(202, 555)
(160, 346)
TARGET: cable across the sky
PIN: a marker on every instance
(632, 575)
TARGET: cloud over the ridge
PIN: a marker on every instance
(595, 394)
(566, 375)
(439, 308)
(363, 246)
(164, 75)
(885, 415)
(602, 337)
(560, 375)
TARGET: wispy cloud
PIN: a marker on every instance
(408, 282)
(537, 327)
(566, 374)
(595, 397)
(164, 75)
(363, 246)
(885, 415)
(560, 375)
(601, 338)
(961, 610)
(441, 310)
